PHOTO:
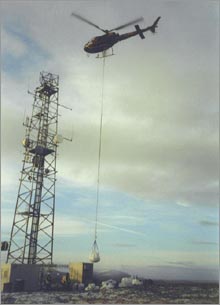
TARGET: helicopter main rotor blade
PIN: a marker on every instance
(87, 21)
(127, 24)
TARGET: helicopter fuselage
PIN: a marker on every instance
(104, 42)
(101, 43)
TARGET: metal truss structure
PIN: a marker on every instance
(31, 240)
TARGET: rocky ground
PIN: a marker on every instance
(162, 293)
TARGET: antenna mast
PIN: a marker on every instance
(31, 239)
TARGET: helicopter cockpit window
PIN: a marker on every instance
(90, 43)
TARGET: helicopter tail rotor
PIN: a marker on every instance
(154, 26)
(151, 28)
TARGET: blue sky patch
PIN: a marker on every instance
(33, 54)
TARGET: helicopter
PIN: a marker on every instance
(103, 43)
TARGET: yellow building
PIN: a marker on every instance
(81, 272)
(5, 274)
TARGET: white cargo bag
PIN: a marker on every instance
(94, 256)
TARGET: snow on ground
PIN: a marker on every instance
(157, 294)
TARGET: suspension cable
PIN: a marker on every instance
(100, 149)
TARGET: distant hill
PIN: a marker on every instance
(100, 276)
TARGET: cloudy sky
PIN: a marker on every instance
(158, 212)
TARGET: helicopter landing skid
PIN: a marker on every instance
(104, 54)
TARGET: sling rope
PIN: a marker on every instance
(100, 149)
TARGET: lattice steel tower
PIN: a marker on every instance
(31, 239)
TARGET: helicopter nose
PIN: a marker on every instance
(86, 48)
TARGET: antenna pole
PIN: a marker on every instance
(31, 239)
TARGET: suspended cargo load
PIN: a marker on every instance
(94, 256)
